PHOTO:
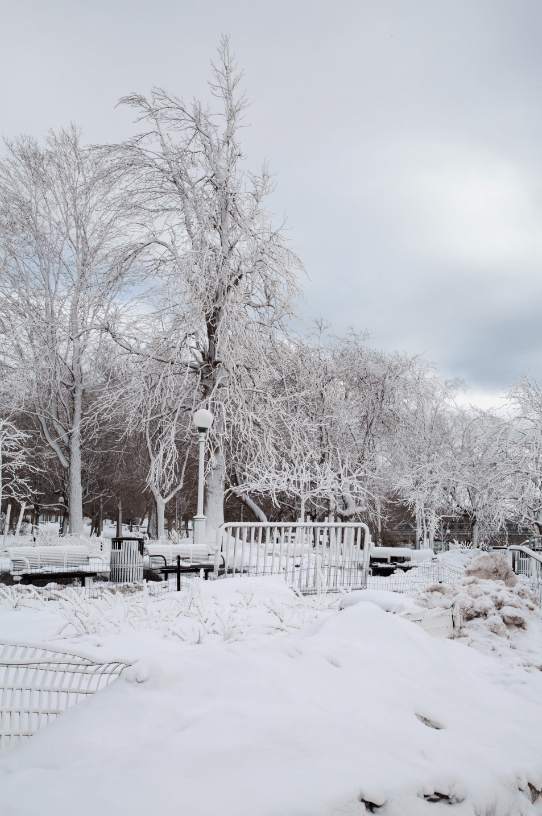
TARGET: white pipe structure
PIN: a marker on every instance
(309, 555)
(203, 420)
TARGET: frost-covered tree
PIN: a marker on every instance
(424, 462)
(229, 275)
(15, 463)
(526, 402)
(60, 280)
(158, 404)
(325, 417)
(486, 472)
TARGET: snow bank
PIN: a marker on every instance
(458, 557)
(359, 712)
(496, 619)
(387, 600)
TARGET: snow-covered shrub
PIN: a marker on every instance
(15, 597)
(191, 616)
(176, 537)
(492, 566)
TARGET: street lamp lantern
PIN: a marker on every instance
(203, 420)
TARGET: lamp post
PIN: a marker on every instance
(203, 420)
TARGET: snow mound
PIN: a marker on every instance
(387, 600)
(458, 557)
(493, 566)
(359, 712)
(505, 621)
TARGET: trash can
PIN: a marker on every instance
(126, 559)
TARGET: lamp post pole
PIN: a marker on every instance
(203, 420)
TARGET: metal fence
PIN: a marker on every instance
(38, 683)
(307, 554)
(527, 563)
(312, 557)
(417, 578)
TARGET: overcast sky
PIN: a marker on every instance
(406, 135)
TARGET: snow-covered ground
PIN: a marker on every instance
(247, 700)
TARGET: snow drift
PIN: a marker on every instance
(359, 712)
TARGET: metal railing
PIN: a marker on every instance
(37, 683)
(528, 563)
(309, 555)
(417, 578)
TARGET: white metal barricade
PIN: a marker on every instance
(311, 556)
(37, 683)
(528, 563)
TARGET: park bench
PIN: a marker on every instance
(72, 561)
(385, 560)
(188, 553)
(180, 558)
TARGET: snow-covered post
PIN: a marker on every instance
(203, 420)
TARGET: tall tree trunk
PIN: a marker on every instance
(6, 522)
(152, 527)
(75, 499)
(419, 528)
(160, 517)
(36, 517)
(119, 518)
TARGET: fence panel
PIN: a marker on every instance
(528, 563)
(311, 556)
(37, 684)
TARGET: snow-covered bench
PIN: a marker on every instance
(54, 560)
(400, 554)
(188, 553)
